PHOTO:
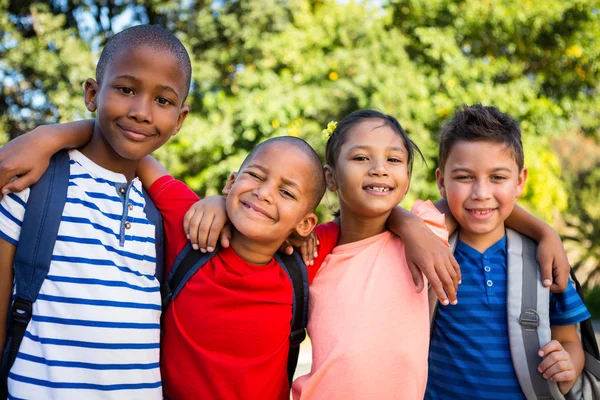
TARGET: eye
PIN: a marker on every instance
(125, 90)
(463, 177)
(287, 193)
(163, 101)
(394, 160)
(498, 178)
(360, 158)
(254, 175)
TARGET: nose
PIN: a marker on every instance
(378, 168)
(264, 192)
(481, 191)
(141, 110)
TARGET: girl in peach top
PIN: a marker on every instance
(369, 328)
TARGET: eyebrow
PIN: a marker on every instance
(462, 169)
(286, 182)
(363, 147)
(161, 87)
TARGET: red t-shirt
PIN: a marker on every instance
(226, 334)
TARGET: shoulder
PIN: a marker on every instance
(432, 217)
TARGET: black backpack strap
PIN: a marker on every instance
(31, 264)
(588, 338)
(298, 274)
(154, 216)
(187, 263)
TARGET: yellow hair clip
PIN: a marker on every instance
(330, 128)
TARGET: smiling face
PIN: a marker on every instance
(481, 181)
(371, 175)
(271, 196)
(139, 102)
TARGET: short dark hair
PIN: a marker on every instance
(344, 127)
(318, 184)
(477, 123)
(145, 35)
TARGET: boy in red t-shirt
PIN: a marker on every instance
(226, 335)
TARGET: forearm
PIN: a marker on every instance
(400, 217)
(442, 206)
(525, 223)
(149, 171)
(70, 135)
(573, 347)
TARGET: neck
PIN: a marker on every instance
(101, 152)
(481, 242)
(252, 252)
(357, 227)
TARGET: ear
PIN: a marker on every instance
(229, 183)
(91, 89)
(521, 181)
(182, 114)
(439, 179)
(330, 178)
(307, 224)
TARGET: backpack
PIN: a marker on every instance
(527, 307)
(189, 261)
(41, 221)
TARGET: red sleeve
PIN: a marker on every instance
(172, 198)
(328, 235)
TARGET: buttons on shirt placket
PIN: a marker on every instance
(487, 273)
(123, 189)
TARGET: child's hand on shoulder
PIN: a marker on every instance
(205, 222)
(553, 261)
(307, 245)
(557, 366)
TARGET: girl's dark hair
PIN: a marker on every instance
(345, 126)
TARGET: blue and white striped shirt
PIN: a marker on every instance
(469, 354)
(95, 328)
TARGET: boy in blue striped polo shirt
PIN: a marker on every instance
(95, 327)
(481, 174)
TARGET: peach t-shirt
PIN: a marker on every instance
(368, 326)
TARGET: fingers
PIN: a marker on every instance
(456, 268)
(214, 232)
(193, 226)
(417, 277)
(551, 346)
(448, 284)
(226, 235)
(561, 274)
(546, 269)
(204, 230)
(438, 288)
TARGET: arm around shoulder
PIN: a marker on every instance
(26, 157)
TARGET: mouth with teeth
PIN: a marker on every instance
(378, 190)
(481, 213)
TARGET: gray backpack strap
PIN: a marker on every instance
(528, 311)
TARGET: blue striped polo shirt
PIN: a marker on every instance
(469, 355)
(95, 328)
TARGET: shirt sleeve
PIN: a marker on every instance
(567, 308)
(432, 218)
(173, 199)
(12, 211)
(328, 235)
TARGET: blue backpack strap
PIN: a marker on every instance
(187, 263)
(297, 272)
(39, 230)
(154, 216)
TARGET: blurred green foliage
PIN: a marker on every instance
(264, 68)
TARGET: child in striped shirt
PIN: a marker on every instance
(95, 327)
